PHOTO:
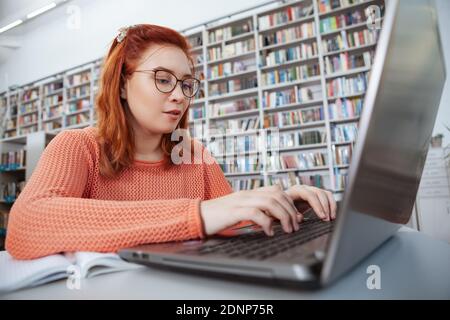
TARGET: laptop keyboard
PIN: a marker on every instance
(259, 246)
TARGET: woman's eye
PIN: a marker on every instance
(163, 81)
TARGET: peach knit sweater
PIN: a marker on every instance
(67, 206)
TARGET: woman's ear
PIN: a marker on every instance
(123, 93)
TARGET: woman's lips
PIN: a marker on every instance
(173, 115)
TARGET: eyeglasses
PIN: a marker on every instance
(166, 81)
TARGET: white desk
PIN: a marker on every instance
(413, 266)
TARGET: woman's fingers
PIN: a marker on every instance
(258, 217)
(276, 203)
(289, 205)
(324, 202)
(313, 201)
(275, 209)
(333, 205)
(293, 211)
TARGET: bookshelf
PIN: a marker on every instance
(304, 72)
(299, 68)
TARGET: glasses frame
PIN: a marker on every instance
(155, 71)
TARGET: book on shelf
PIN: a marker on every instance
(4, 217)
(295, 139)
(30, 94)
(230, 126)
(198, 130)
(247, 164)
(345, 108)
(230, 68)
(302, 31)
(299, 52)
(300, 161)
(234, 85)
(78, 105)
(285, 15)
(78, 118)
(28, 130)
(350, 85)
(55, 111)
(230, 50)
(78, 92)
(195, 40)
(291, 96)
(340, 178)
(279, 98)
(49, 126)
(229, 144)
(13, 160)
(11, 124)
(53, 100)
(9, 191)
(340, 21)
(52, 87)
(17, 274)
(329, 5)
(294, 73)
(197, 112)
(223, 108)
(29, 107)
(342, 154)
(228, 32)
(344, 132)
(291, 178)
(246, 184)
(345, 61)
(79, 78)
(28, 119)
(197, 57)
(349, 40)
(295, 117)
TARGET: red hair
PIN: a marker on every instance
(115, 134)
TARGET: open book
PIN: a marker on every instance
(17, 274)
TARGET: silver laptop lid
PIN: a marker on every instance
(400, 109)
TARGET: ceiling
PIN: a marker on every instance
(11, 10)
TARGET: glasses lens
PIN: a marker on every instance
(164, 81)
(190, 87)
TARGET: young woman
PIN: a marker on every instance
(116, 185)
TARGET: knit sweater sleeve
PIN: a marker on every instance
(51, 214)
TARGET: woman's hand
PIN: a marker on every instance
(262, 206)
(321, 201)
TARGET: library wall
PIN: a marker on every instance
(51, 44)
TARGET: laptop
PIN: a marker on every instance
(400, 108)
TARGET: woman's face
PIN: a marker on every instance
(148, 105)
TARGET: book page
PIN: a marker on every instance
(16, 274)
(93, 263)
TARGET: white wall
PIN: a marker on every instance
(50, 44)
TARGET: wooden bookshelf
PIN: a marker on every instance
(296, 66)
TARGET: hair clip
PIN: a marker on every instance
(123, 33)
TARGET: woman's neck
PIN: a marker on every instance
(148, 146)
